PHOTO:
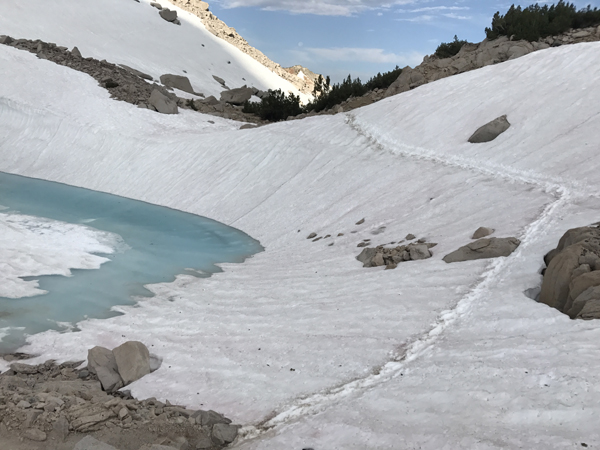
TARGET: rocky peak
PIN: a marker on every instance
(221, 30)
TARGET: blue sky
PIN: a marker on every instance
(358, 37)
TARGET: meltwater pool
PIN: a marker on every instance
(159, 244)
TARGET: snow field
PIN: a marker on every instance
(134, 34)
(429, 355)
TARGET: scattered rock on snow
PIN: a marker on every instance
(156, 5)
(490, 130)
(237, 96)
(162, 103)
(391, 257)
(168, 15)
(483, 248)
(177, 81)
(311, 236)
(219, 80)
(482, 232)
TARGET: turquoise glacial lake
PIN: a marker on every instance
(160, 244)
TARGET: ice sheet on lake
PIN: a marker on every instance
(34, 246)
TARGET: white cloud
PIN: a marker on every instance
(325, 7)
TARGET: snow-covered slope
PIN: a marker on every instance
(430, 355)
(132, 33)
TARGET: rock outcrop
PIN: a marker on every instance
(490, 130)
(304, 82)
(54, 406)
(571, 281)
(484, 248)
(475, 56)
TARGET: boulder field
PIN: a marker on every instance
(65, 407)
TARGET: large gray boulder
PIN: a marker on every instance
(490, 130)
(572, 277)
(177, 81)
(223, 434)
(168, 15)
(162, 103)
(237, 96)
(102, 362)
(133, 361)
(484, 248)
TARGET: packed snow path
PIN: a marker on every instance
(429, 355)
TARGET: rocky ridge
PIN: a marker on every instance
(470, 57)
(127, 84)
(217, 27)
(475, 56)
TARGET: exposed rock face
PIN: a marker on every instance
(475, 56)
(391, 257)
(571, 281)
(484, 248)
(217, 27)
(490, 130)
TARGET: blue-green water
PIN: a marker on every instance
(160, 243)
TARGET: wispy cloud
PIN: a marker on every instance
(318, 7)
(358, 55)
(424, 18)
(434, 9)
(456, 16)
